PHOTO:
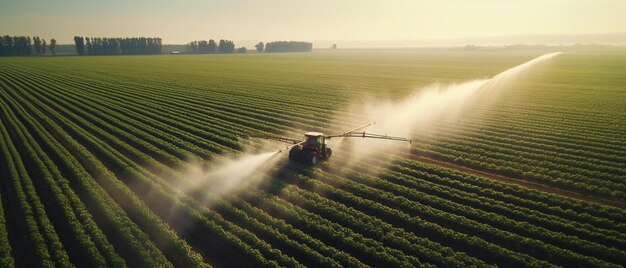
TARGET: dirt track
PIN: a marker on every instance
(526, 183)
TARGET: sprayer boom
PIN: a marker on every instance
(358, 128)
(368, 135)
(277, 138)
(314, 148)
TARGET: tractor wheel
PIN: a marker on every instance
(329, 152)
(312, 158)
(294, 153)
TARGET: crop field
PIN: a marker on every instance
(102, 161)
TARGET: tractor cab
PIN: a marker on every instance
(314, 140)
(312, 150)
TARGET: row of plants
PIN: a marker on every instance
(148, 162)
(39, 243)
(406, 213)
(558, 154)
(139, 137)
(134, 240)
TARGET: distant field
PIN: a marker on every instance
(92, 150)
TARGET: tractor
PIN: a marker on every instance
(314, 149)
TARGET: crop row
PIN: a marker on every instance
(580, 158)
(34, 231)
(435, 211)
(134, 140)
(146, 181)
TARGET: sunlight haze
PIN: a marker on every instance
(178, 22)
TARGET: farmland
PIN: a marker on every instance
(94, 154)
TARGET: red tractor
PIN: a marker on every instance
(314, 149)
(311, 150)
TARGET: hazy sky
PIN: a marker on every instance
(185, 20)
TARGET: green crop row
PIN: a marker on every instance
(67, 212)
(110, 146)
(410, 213)
(146, 181)
(35, 231)
(129, 237)
(521, 202)
(577, 158)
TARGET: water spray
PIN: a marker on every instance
(432, 102)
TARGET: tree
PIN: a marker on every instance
(43, 46)
(288, 46)
(334, 47)
(242, 50)
(114, 46)
(28, 48)
(89, 46)
(53, 46)
(80, 45)
(259, 47)
(226, 46)
(212, 46)
(203, 47)
(17, 45)
(192, 47)
(37, 43)
(4, 46)
(9, 45)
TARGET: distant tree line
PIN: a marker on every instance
(226, 46)
(202, 47)
(210, 47)
(260, 47)
(25, 46)
(117, 46)
(285, 46)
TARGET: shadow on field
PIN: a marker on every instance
(286, 174)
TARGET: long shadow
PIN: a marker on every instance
(284, 175)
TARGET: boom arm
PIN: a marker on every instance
(358, 128)
(368, 135)
(293, 142)
(277, 138)
(348, 134)
(363, 134)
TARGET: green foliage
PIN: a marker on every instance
(226, 46)
(20, 46)
(95, 150)
(6, 260)
(259, 47)
(117, 46)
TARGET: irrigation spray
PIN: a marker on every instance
(232, 174)
(401, 118)
(432, 103)
(437, 101)
(228, 174)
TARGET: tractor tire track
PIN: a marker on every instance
(446, 163)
